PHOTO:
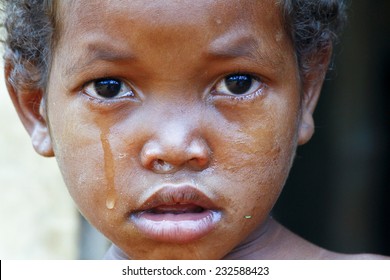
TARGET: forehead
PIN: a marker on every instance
(131, 28)
(210, 14)
(177, 9)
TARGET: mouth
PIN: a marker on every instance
(180, 214)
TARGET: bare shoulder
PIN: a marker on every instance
(339, 256)
(288, 245)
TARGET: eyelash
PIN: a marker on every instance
(107, 84)
(250, 93)
(251, 85)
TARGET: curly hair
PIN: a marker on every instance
(313, 26)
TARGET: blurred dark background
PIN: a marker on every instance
(337, 195)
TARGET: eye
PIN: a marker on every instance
(108, 88)
(238, 84)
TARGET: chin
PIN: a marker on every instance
(204, 249)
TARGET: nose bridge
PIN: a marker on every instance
(177, 133)
(177, 140)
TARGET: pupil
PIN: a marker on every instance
(107, 87)
(238, 84)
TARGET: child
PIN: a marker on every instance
(174, 123)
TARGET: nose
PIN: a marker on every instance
(175, 147)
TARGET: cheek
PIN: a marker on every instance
(255, 179)
(255, 156)
(79, 152)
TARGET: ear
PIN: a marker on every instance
(312, 85)
(30, 106)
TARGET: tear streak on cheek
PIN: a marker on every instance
(109, 169)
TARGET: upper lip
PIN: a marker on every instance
(174, 195)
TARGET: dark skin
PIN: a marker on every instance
(175, 125)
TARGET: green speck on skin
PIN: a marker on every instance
(248, 217)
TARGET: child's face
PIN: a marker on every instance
(174, 122)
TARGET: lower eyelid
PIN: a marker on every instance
(236, 100)
(103, 106)
(250, 96)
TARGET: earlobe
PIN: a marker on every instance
(312, 85)
(29, 104)
(309, 102)
(306, 129)
(41, 141)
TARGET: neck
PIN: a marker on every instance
(256, 243)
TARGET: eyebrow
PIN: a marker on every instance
(249, 47)
(99, 52)
(233, 47)
(225, 47)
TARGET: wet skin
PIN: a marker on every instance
(174, 132)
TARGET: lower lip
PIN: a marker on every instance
(176, 228)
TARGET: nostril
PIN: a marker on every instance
(198, 163)
(199, 154)
(201, 161)
(162, 156)
(162, 166)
